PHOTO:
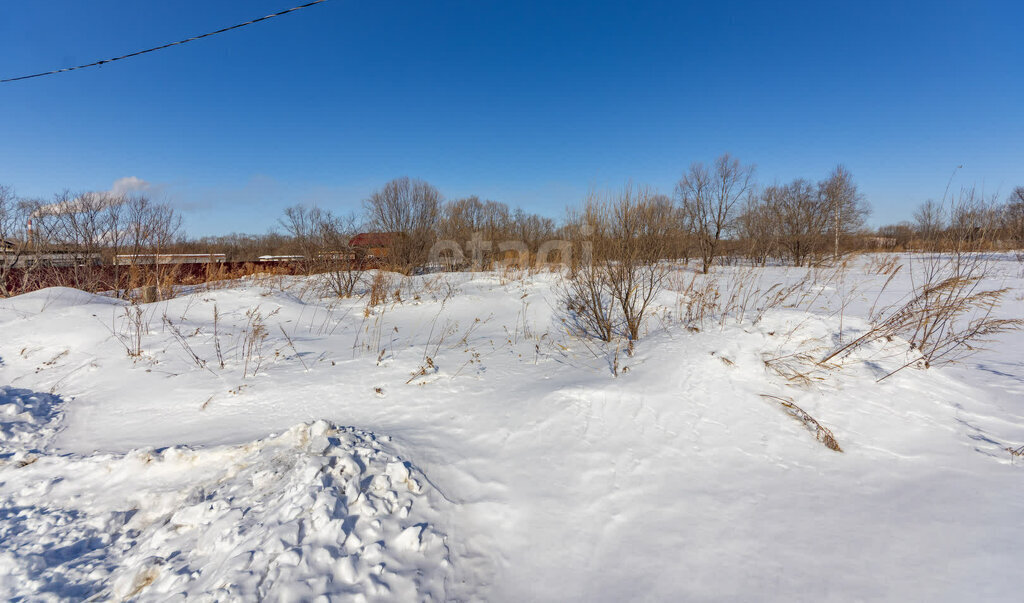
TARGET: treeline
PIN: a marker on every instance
(416, 213)
(967, 220)
(716, 213)
(63, 241)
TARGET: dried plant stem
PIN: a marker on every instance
(821, 433)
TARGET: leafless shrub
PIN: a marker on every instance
(930, 223)
(141, 227)
(821, 433)
(968, 221)
(611, 289)
(1013, 218)
(129, 332)
(323, 241)
(587, 296)
(92, 241)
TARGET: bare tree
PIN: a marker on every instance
(845, 203)
(306, 226)
(800, 218)
(478, 224)
(1013, 217)
(757, 230)
(410, 209)
(1017, 196)
(14, 241)
(323, 239)
(896, 236)
(973, 220)
(148, 228)
(637, 246)
(930, 222)
(115, 238)
(336, 259)
(74, 232)
(709, 198)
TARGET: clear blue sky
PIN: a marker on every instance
(530, 103)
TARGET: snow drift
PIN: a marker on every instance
(317, 510)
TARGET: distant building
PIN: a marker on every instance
(21, 256)
(163, 259)
(281, 258)
(374, 244)
(882, 242)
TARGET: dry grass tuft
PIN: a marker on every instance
(799, 368)
(945, 320)
(821, 433)
(379, 288)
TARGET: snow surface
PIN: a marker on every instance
(458, 443)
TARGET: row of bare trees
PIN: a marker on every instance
(716, 209)
(626, 236)
(322, 239)
(64, 241)
(416, 209)
(414, 212)
(718, 212)
(801, 221)
(965, 220)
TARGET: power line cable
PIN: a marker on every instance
(179, 42)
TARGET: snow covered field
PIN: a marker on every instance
(458, 443)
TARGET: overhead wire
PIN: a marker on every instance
(155, 48)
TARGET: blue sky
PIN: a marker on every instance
(530, 103)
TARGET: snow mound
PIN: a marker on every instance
(26, 420)
(317, 510)
(53, 298)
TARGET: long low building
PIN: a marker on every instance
(281, 258)
(26, 260)
(150, 259)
